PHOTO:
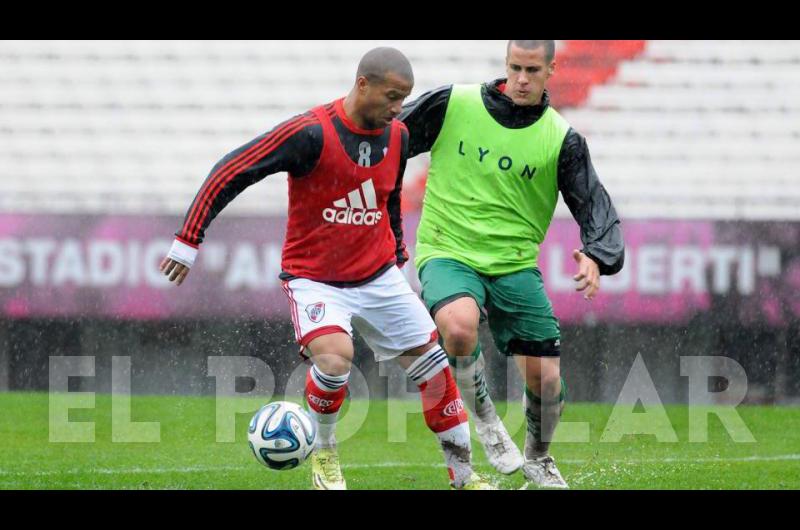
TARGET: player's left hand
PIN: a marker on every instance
(588, 276)
(176, 271)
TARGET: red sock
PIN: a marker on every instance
(321, 398)
(441, 402)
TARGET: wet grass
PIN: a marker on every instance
(390, 449)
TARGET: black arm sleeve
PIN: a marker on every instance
(293, 146)
(590, 205)
(395, 207)
(424, 118)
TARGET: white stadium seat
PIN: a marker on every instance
(703, 129)
(699, 129)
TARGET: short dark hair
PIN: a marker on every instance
(378, 63)
(549, 47)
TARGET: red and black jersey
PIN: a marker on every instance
(300, 146)
(338, 228)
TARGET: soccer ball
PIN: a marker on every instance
(282, 435)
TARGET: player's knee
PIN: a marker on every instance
(460, 340)
(332, 364)
(332, 353)
(544, 381)
(550, 384)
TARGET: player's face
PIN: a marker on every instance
(527, 71)
(383, 100)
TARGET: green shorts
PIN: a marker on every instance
(520, 314)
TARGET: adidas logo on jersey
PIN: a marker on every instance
(350, 216)
(352, 210)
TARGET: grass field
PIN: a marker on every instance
(188, 457)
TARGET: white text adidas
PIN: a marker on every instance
(355, 209)
(352, 217)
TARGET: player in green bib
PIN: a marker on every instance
(500, 155)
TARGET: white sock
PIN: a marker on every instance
(326, 429)
(457, 450)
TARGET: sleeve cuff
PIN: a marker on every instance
(182, 253)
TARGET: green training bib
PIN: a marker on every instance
(491, 191)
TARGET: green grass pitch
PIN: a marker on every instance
(381, 454)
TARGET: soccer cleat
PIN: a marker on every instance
(475, 482)
(500, 449)
(543, 472)
(326, 473)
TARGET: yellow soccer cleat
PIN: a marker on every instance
(475, 482)
(326, 474)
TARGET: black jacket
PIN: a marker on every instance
(578, 182)
(294, 147)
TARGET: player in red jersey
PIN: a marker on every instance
(342, 253)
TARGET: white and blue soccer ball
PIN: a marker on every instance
(282, 435)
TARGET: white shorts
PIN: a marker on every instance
(386, 312)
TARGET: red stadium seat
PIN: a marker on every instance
(582, 64)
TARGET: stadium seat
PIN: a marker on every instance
(698, 129)
(694, 128)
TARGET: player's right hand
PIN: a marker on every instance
(176, 271)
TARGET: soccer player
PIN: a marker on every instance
(342, 253)
(499, 157)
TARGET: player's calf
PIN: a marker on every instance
(325, 395)
(545, 395)
(326, 382)
(471, 378)
(500, 449)
(542, 418)
(444, 412)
